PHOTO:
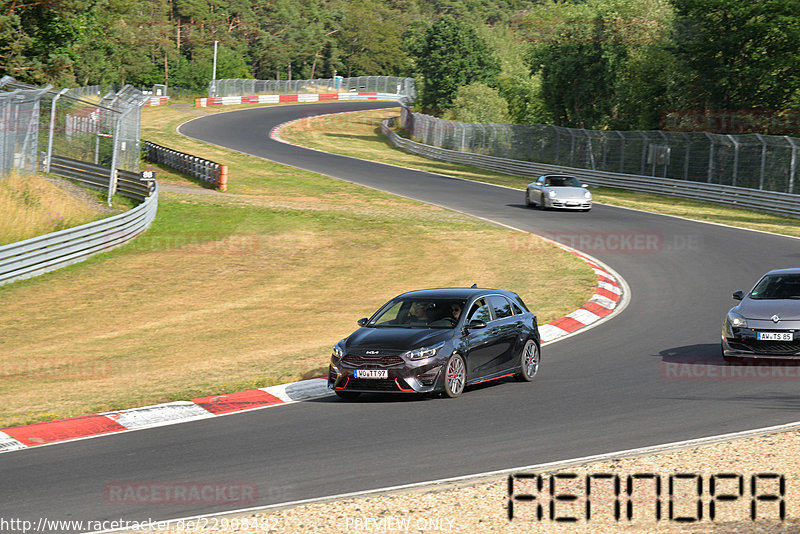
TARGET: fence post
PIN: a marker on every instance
(763, 161)
(710, 157)
(51, 129)
(735, 160)
(793, 165)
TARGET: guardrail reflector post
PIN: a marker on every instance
(223, 177)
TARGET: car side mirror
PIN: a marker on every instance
(363, 322)
(476, 325)
(738, 295)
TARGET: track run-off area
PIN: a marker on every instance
(619, 386)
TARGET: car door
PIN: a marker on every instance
(481, 349)
(539, 191)
(505, 331)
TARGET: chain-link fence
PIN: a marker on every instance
(36, 123)
(768, 162)
(19, 126)
(361, 84)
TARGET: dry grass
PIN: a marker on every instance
(31, 205)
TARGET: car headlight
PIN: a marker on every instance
(551, 194)
(423, 352)
(736, 320)
(587, 195)
(338, 349)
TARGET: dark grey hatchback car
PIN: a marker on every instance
(438, 340)
(766, 323)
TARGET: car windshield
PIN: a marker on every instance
(563, 181)
(777, 286)
(418, 313)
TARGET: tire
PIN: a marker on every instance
(529, 360)
(455, 376)
(527, 200)
(347, 395)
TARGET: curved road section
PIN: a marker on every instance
(651, 375)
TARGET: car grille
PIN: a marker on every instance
(370, 361)
(372, 385)
(769, 347)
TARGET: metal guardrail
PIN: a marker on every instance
(773, 202)
(39, 255)
(200, 168)
(129, 184)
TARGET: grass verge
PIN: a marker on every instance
(233, 291)
(358, 135)
(31, 206)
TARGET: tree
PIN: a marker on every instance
(478, 102)
(451, 55)
(740, 54)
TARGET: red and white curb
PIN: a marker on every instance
(607, 298)
(87, 426)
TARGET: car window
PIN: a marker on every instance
(389, 316)
(479, 311)
(516, 309)
(777, 286)
(564, 181)
(501, 306)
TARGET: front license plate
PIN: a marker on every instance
(774, 336)
(573, 203)
(371, 373)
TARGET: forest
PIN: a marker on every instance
(607, 64)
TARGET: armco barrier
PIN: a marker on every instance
(129, 184)
(774, 202)
(38, 255)
(200, 168)
(279, 99)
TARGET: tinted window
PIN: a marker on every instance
(777, 286)
(516, 309)
(502, 308)
(564, 181)
(479, 311)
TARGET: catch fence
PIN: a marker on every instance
(37, 123)
(361, 84)
(754, 161)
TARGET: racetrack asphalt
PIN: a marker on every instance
(619, 386)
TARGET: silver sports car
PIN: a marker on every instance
(766, 323)
(558, 191)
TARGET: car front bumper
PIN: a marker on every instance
(568, 204)
(744, 345)
(410, 377)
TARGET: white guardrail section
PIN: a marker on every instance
(774, 202)
(38, 255)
